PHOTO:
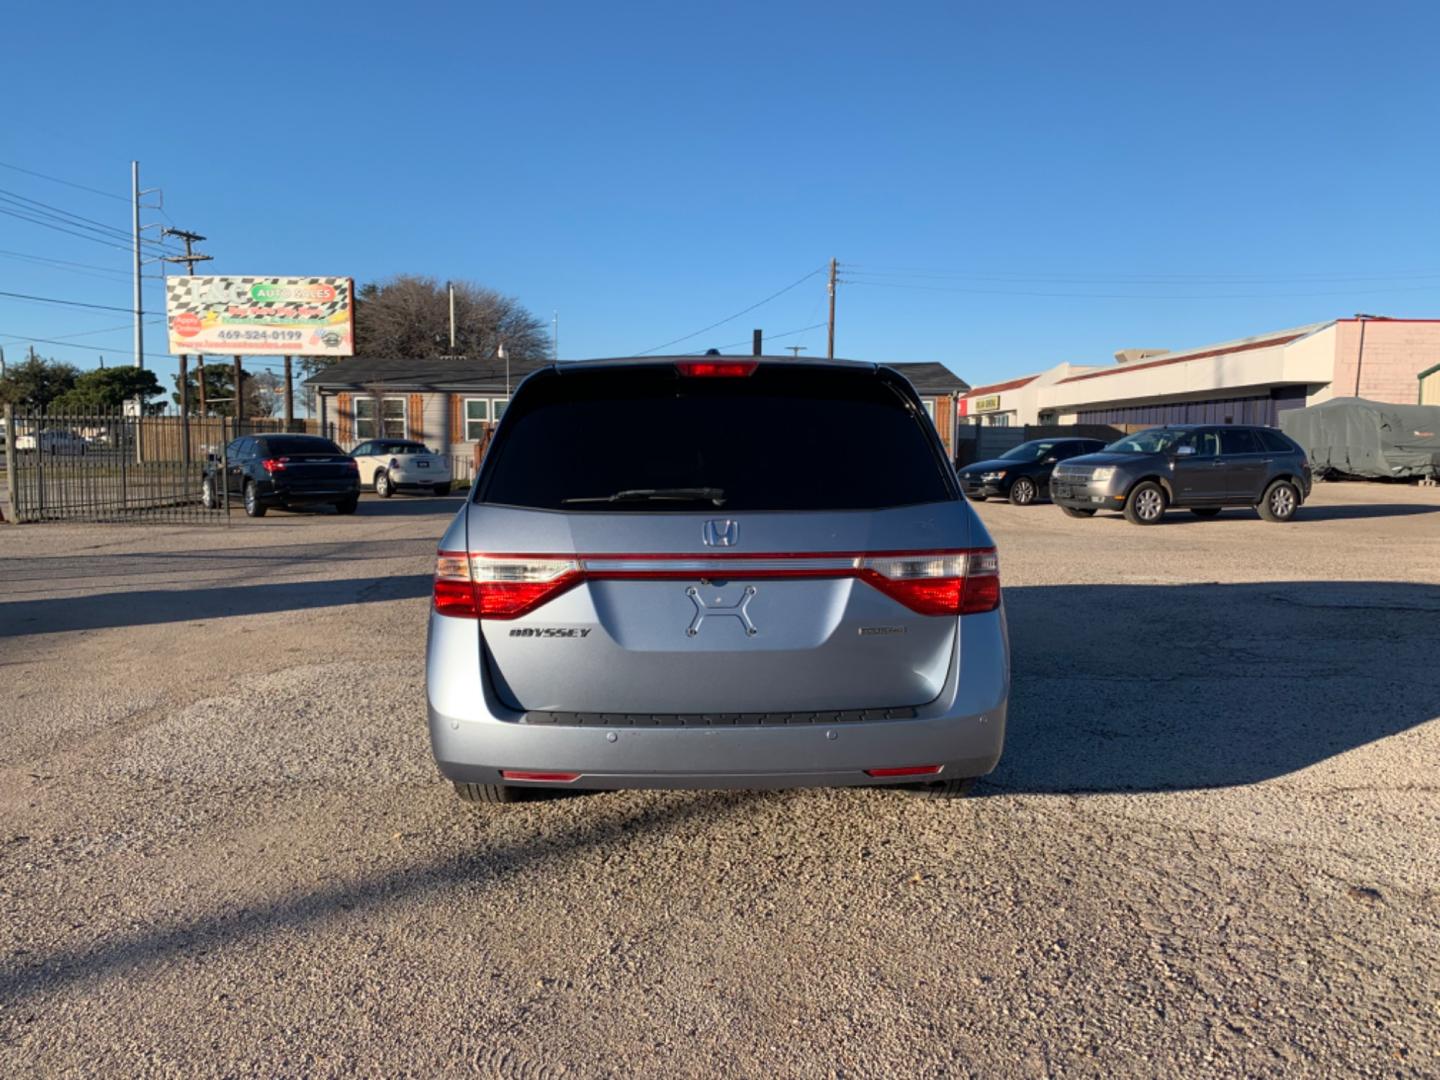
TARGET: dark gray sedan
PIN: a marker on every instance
(1200, 468)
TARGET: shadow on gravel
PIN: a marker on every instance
(1308, 512)
(479, 868)
(1175, 687)
(146, 607)
(400, 505)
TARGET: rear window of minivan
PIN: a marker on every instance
(782, 438)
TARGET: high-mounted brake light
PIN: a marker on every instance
(717, 369)
(274, 465)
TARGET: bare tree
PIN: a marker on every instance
(408, 316)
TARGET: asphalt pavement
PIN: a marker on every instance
(1211, 847)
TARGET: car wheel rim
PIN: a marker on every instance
(249, 498)
(1023, 493)
(1149, 505)
(1282, 503)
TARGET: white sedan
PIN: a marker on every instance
(388, 465)
(52, 441)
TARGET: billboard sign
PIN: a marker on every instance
(260, 316)
(989, 403)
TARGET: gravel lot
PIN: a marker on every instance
(1212, 847)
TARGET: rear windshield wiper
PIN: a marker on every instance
(679, 494)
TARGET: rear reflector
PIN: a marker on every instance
(546, 777)
(717, 369)
(905, 770)
(946, 583)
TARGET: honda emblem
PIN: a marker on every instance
(721, 533)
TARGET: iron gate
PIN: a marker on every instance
(112, 465)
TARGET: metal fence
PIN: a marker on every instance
(107, 465)
(112, 465)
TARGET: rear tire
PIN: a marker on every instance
(253, 506)
(1280, 502)
(1146, 504)
(1205, 511)
(347, 506)
(942, 789)
(1078, 511)
(978, 498)
(383, 487)
(1023, 492)
(489, 793)
(207, 495)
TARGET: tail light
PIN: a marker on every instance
(717, 369)
(952, 583)
(274, 465)
(906, 770)
(482, 587)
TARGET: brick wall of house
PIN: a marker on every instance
(1395, 354)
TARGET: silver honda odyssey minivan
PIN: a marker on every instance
(711, 572)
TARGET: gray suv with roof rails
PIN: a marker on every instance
(1199, 467)
(711, 572)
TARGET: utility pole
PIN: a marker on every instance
(501, 354)
(555, 338)
(1360, 352)
(830, 351)
(200, 382)
(450, 287)
(191, 257)
(757, 343)
(239, 412)
(135, 240)
(289, 396)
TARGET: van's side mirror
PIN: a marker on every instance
(1051, 460)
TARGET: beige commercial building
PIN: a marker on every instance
(1246, 381)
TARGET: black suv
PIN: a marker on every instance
(1199, 467)
(283, 470)
(1022, 475)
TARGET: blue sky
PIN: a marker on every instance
(1005, 186)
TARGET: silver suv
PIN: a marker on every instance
(710, 573)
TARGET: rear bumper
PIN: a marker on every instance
(473, 736)
(280, 495)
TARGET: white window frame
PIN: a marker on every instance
(404, 417)
(373, 426)
(497, 408)
(468, 420)
(363, 434)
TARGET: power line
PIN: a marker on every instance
(89, 269)
(67, 183)
(21, 339)
(57, 228)
(75, 221)
(1139, 296)
(1134, 279)
(68, 303)
(732, 318)
(775, 337)
(12, 196)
